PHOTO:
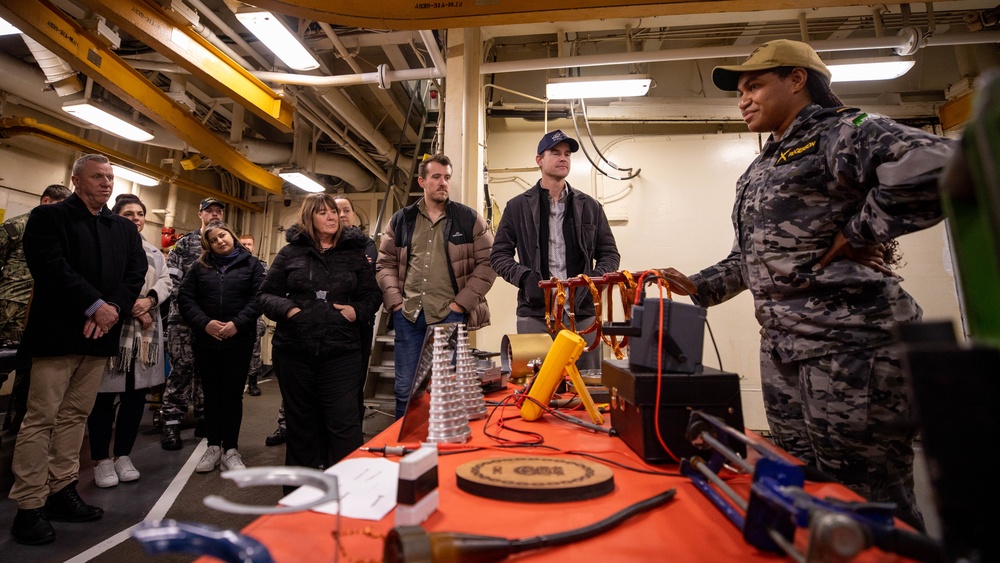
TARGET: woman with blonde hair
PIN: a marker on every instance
(216, 299)
(319, 289)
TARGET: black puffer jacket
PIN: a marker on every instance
(302, 276)
(209, 293)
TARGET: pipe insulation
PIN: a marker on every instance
(55, 69)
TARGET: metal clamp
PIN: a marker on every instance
(293, 476)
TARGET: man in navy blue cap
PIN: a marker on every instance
(556, 231)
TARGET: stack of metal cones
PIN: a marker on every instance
(469, 388)
(448, 420)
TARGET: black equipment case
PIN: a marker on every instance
(633, 400)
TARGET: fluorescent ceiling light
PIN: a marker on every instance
(6, 28)
(133, 176)
(278, 38)
(597, 87)
(89, 110)
(302, 181)
(873, 68)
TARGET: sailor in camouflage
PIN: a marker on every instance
(831, 186)
(15, 293)
(256, 365)
(183, 387)
(15, 279)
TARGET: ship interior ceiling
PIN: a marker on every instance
(354, 121)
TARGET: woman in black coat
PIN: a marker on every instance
(216, 299)
(317, 289)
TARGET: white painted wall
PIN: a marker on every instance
(676, 213)
(28, 165)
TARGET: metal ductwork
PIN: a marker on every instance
(267, 153)
(63, 77)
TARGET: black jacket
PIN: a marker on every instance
(210, 294)
(76, 258)
(302, 276)
(518, 233)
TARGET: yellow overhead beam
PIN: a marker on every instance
(14, 126)
(422, 14)
(182, 45)
(68, 40)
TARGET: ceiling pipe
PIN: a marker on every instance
(349, 79)
(269, 153)
(383, 96)
(319, 117)
(224, 28)
(351, 115)
(430, 42)
(219, 44)
(378, 77)
(903, 43)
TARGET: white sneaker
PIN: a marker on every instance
(125, 470)
(209, 459)
(104, 474)
(232, 460)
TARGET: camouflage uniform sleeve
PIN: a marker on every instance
(720, 282)
(175, 270)
(184, 253)
(903, 165)
(5, 249)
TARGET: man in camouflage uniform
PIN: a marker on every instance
(183, 387)
(15, 280)
(831, 185)
(15, 293)
(256, 366)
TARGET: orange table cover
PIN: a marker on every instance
(688, 528)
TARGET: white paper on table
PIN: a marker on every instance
(367, 489)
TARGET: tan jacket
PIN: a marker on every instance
(468, 249)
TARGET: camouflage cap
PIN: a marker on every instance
(209, 201)
(773, 54)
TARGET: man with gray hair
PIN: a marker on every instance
(88, 266)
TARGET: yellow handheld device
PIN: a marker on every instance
(561, 358)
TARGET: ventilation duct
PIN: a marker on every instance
(63, 77)
(267, 153)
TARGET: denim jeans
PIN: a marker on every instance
(409, 340)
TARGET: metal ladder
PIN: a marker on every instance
(379, 393)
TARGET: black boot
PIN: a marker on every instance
(31, 527)
(67, 506)
(170, 438)
(252, 388)
(277, 438)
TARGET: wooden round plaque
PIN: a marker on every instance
(535, 479)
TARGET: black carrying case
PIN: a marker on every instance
(633, 402)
